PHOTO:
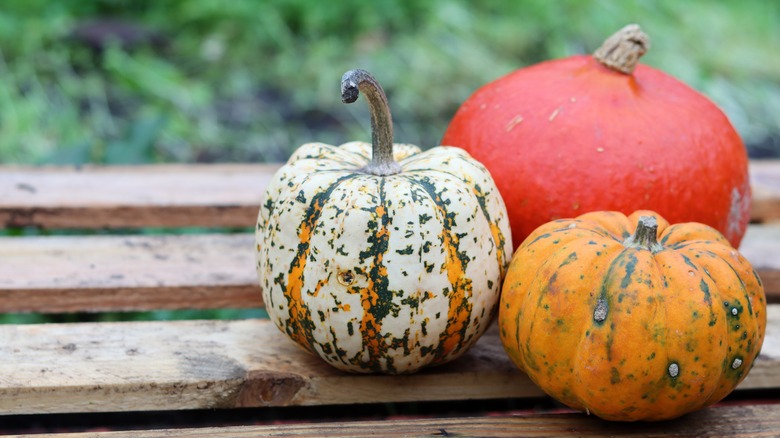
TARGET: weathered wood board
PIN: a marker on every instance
(106, 273)
(134, 196)
(752, 421)
(195, 195)
(170, 365)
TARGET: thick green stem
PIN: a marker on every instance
(622, 50)
(646, 235)
(352, 84)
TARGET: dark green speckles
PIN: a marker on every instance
(538, 238)
(690, 264)
(406, 251)
(569, 259)
(758, 279)
(630, 267)
(614, 376)
(411, 301)
(706, 290)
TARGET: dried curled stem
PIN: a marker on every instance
(352, 84)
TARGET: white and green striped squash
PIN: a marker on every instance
(379, 265)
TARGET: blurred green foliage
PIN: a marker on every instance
(134, 81)
(139, 81)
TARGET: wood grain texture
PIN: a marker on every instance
(761, 246)
(718, 421)
(224, 195)
(172, 365)
(765, 184)
(144, 366)
(210, 271)
(102, 273)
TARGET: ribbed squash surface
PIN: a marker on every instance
(382, 273)
(630, 333)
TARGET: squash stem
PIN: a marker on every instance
(622, 50)
(646, 235)
(352, 83)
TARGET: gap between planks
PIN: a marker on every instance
(206, 271)
(213, 195)
(753, 421)
(171, 365)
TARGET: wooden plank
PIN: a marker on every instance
(761, 246)
(146, 366)
(102, 273)
(761, 420)
(224, 195)
(214, 364)
(765, 184)
(107, 273)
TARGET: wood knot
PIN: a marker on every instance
(264, 388)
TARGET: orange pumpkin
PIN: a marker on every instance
(603, 132)
(630, 318)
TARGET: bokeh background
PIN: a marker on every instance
(146, 81)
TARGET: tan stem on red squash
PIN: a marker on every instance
(645, 236)
(352, 84)
(621, 51)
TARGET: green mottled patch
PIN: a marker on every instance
(571, 258)
(406, 251)
(538, 238)
(630, 267)
(706, 290)
(614, 377)
(411, 301)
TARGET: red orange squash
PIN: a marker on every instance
(630, 318)
(602, 132)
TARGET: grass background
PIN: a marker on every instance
(148, 81)
(143, 81)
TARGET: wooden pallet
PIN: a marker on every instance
(248, 363)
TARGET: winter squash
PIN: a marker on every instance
(629, 318)
(380, 257)
(589, 133)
